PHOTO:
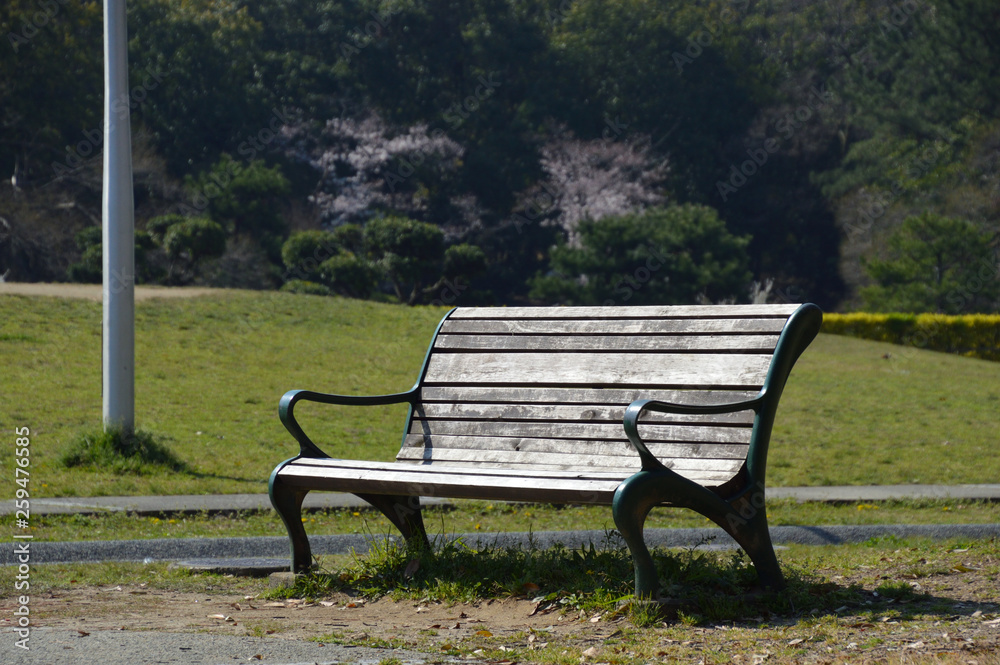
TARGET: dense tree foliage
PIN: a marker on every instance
(487, 141)
(935, 264)
(680, 254)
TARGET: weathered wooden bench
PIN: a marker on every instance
(632, 407)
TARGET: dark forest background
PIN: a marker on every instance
(520, 151)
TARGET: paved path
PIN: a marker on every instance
(221, 503)
(52, 646)
(95, 291)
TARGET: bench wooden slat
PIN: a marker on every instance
(596, 431)
(652, 343)
(701, 476)
(576, 446)
(586, 369)
(470, 481)
(555, 396)
(612, 327)
(556, 413)
(363, 466)
(521, 459)
(648, 311)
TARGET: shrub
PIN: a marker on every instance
(304, 287)
(974, 335)
(195, 238)
(349, 275)
(304, 251)
(116, 450)
(673, 255)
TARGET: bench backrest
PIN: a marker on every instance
(546, 388)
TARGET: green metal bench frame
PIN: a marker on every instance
(738, 506)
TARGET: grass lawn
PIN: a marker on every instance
(493, 517)
(210, 371)
(885, 601)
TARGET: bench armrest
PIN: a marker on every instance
(292, 397)
(636, 409)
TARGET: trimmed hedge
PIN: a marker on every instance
(973, 335)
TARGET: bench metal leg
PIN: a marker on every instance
(744, 519)
(746, 522)
(404, 512)
(288, 502)
(632, 503)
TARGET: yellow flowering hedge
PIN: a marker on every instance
(973, 335)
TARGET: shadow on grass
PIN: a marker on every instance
(122, 452)
(697, 586)
(138, 453)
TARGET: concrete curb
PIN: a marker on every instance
(230, 503)
(276, 547)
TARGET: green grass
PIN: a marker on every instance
(122, 452)
(701, 586)
(210, 371)
(490, 517)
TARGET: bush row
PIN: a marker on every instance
(973, 335)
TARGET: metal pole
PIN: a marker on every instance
(119, 228)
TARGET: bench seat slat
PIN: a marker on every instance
(666, 328)
(597, 431)
(546, 395)
(586, 369)
(558, 414)
(469, 481)
(574, 447)
(701, 476)
(651, 343)
(651, 311)
(511, 458)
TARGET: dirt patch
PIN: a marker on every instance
(957, 623)
(95, 291)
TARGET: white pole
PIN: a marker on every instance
(119, 228)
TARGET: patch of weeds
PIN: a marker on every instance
(897, 591)
(644, 614)
(390, 661)
(119, 451)
(262, 628)
(888, 540)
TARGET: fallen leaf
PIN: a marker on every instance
(327, 603)
(590, 653)
(484, 633)
(797, 640)
(236, 606)
(991, 623)
(256, 656)
(528, 587)
(83, 633)
(221, 617)
(914, 645)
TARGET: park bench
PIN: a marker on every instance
(632, 407)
